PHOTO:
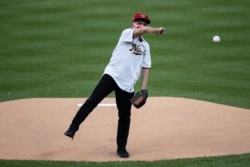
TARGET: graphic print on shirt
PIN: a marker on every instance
(136, 49)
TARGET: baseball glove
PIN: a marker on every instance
(140, 98)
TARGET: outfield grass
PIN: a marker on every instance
(59, 48)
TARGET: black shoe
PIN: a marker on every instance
(70, 132)
(123, 153)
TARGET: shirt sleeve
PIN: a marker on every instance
(127, 35)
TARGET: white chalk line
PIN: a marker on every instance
(102, 105)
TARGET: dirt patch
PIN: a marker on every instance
(165, 128)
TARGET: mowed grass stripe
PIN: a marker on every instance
(60, 48)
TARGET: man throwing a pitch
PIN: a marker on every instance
(130, 60)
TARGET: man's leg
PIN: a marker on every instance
(124, 112)
(103, 88)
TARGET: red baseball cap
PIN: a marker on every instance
(141, 17)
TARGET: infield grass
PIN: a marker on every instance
(59, 48)
(223, 161)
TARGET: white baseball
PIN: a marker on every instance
(216, 38)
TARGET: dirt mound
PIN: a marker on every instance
(165, 128)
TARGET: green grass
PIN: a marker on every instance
(59, 48)
(227, 161)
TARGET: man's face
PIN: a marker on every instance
(138, 24)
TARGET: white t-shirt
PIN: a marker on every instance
(127, 60)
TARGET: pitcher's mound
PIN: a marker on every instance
(165, 128)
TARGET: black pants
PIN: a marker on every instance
(104, 88)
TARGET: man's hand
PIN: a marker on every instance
(161, 31)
